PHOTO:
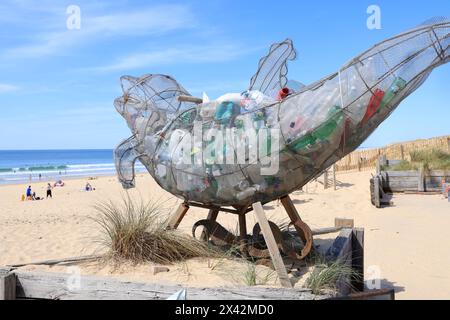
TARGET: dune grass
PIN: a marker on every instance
(137, 232)
(429, 159)
(326, 274)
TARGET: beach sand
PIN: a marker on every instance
(407, 246)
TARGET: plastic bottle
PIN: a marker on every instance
(259, 120)
(335, 117)
(373, 106)
(283, 93)
(247, 193)
(226, 111)
(207, 110)
(398, 85)
(303, 142)
(244, 184)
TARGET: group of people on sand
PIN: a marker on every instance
(31, 195)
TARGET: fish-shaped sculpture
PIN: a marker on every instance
(204, 151)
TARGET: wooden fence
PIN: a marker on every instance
(367, 159)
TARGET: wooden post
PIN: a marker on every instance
(272, 245)
(242, 227)
(343, 223)
(378, 166)
(402, 152)
(7, 286)
(325, 179)
(383, 160)
(212, 215)
(359, 163)
(448, 145)
(183, 98)
(334, 176)
(421, 180)
(178, 216)
(376, 191)
(358, 258)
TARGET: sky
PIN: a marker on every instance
(58, 84)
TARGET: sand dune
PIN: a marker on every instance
(406, 246)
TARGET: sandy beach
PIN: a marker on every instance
(406, 245)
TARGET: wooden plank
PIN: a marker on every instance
(343, 223)
(40, 285)
(421, 180)
(341, 247)
(271, 245)
(406, 173)
(341, 250)
(317, 232)
(183, 98)
(174, 222)
(57, 261)
(378, 166)
(380, 294)
(376, 191)
(7, 285)
(334, 177)
(358, 258)
(383, 160)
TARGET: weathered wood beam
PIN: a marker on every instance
(341, 250)
(344, 223)
(421, 180)
(57, 261)
(7, 285)
(178, 216)
(358, 259)
(272, 245)
(190, 99)
(40, 285)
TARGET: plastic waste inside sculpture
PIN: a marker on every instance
(317, 124)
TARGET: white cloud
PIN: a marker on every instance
(5, 88)
(150, 20)
(178, 55)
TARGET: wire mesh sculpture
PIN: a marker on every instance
(317, 124)
(248, 148)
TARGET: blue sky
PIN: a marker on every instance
(57, 85)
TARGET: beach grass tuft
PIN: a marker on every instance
(137, 231)
(325, 275)
(429, 159)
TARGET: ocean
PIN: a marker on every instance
(20, 166)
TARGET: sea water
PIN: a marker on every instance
(19, 166)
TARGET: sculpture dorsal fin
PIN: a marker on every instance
(272, 69)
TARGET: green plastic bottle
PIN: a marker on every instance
(398, 85)
(303, 142)
(325, 130)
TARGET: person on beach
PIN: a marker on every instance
(88, 187)
(49, 191)
(29, 193)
